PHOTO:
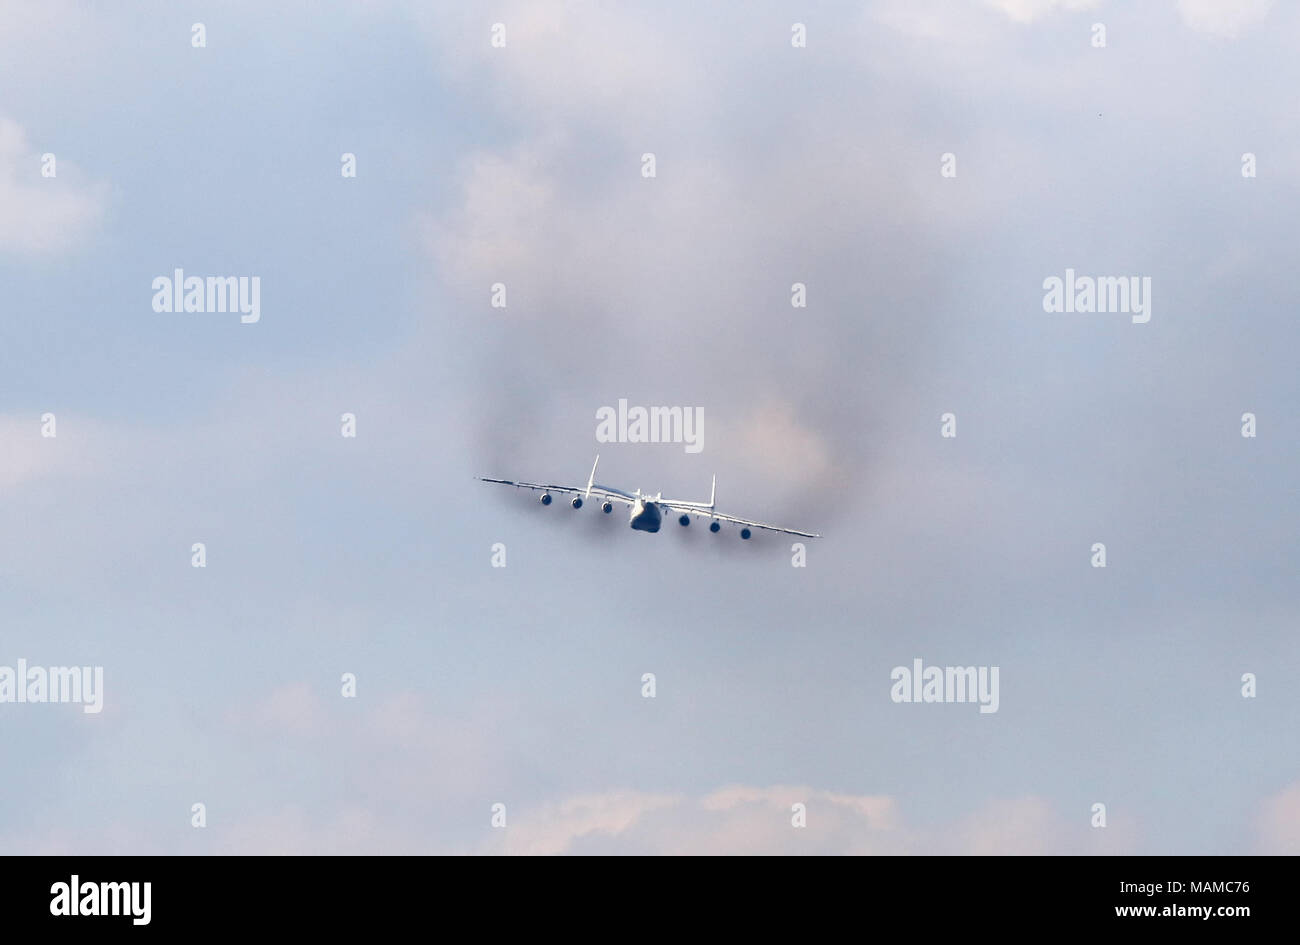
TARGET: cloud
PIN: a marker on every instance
(559, 827)
(293, 831)
(294, 708)
(419, 750)
(1023, 827)
(1278, 823)
(750, 820)
(789, 453)
(1222, 19)
(677, 289)
(39, 214)
(1027, 11)
(81, 449)
(611, 64)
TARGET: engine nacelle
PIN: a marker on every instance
(546, 498)
(745, 533)
(607, 507)
(684, 521)
(715, 527)
(577, 502)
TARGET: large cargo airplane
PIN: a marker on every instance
(647, 511)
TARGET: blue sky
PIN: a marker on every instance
(522, 685)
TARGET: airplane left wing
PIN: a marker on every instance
(705, 513)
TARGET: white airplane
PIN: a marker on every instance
(647, 510)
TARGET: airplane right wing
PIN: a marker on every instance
(598, 491)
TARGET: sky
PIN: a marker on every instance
(504, 709)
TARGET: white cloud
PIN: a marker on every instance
(508, 208)
(751, 820)
(81, 449)
(42, 214)
(1027, 11)
(293, 831)
(294, 708)
(555, 828)
(775, 442)
(569, 61)
(1279, 823)
(679, 285)
(1222, 17)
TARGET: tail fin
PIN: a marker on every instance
(592, 480)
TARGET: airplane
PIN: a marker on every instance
(647, 511)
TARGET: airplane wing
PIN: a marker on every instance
(705, 513)
(599, 491)
(603, 493)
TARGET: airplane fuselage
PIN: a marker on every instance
(646, 516)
